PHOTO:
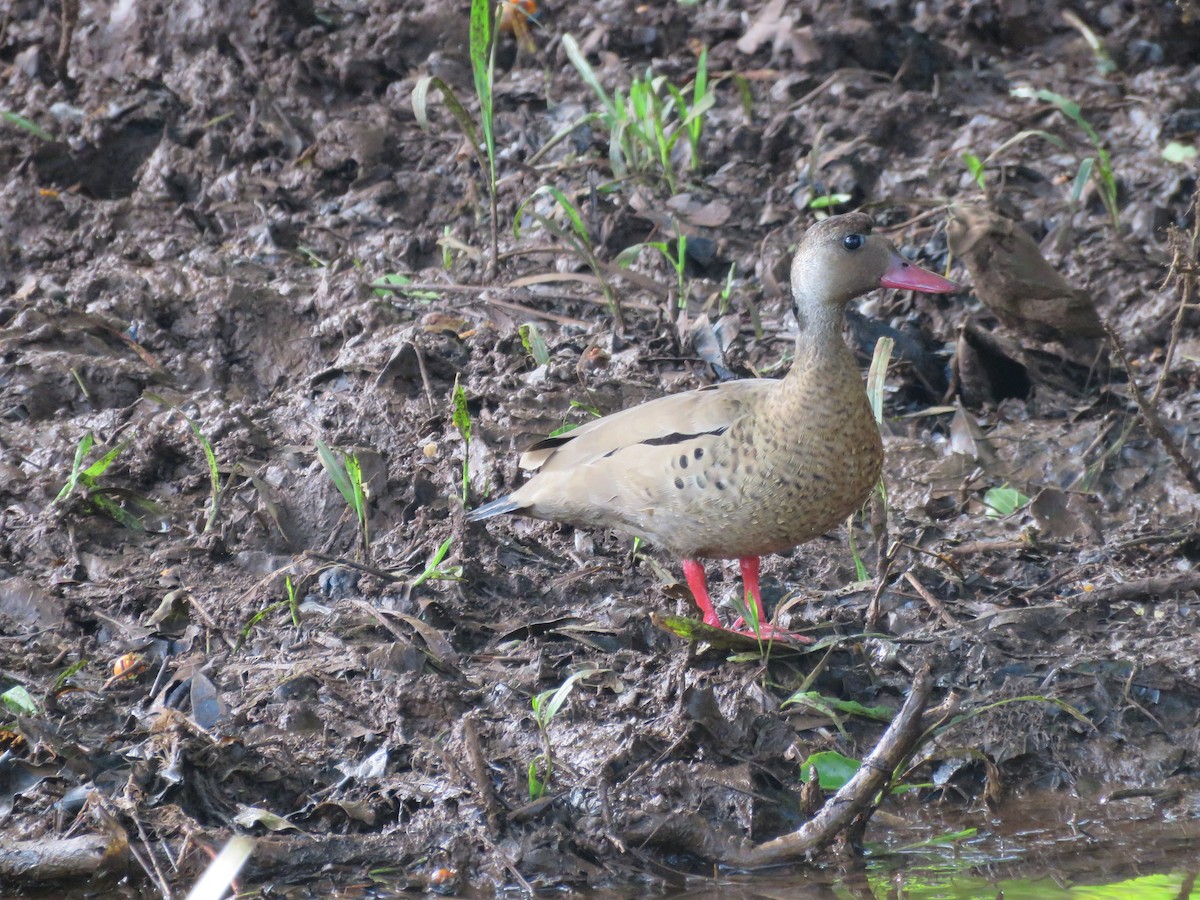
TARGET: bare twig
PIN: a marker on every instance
(1154, 586)
(70, 18)
(1185, 269)
(934, 603)
(479, 774)
(854, 799)
(1150, 414)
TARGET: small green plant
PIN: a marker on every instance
(461, 416)
(745, 607)
(310, 256)
(576, 237)
(482, 44)
(674, 253)
(86, 478)
(978, 167)
(1178, 153)
(571, 426)
(291, 603)
(727, 290)
(293, 599)
(394, 283)
(678, 261)
(18, 701)
(216, 492)
(435, 571)
(534, 343)
(646, 123)
(68, 673)
(1104, 63)
(1004, 501)
(1105, 180)
(702, 99)
(346, 474)
(826, 202)
(546, 706)
(26, 125)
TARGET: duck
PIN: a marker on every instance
(744, 468)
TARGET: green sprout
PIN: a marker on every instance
(290, 603)
(546, 706)
(216, 492)
(576, 237)
(18, 701)
(435, 571)
(1004, 501)
(461, 417)
(26, 125)
(346, 474)
(1103, 161)
(978, 167)
(86, 479)
(675, 254)
(826, 202)
(482, 41)
(534, 343)
(727, 290)
(645, 124)
(1178, 153)
(571, 426)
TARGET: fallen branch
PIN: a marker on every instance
(1154, 586)
(1150, 415)
(856, 797)
(66, 859)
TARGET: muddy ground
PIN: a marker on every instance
(192, 242)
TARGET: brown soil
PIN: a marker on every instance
(194, 241)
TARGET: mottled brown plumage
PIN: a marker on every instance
(744, 468)
(1015, 281)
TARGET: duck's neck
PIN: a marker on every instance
(819, 344)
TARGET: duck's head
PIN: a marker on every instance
(840, 258)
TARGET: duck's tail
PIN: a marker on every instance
(495, 508)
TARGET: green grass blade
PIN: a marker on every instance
(335, 468)
(482, 69)
(82, 449)
(588, 74)
(569, 208)
(100, 466)
(534, 343)
(462, 416)
(27, 125)
(877, 375)
(420, 101)
(1081, 178)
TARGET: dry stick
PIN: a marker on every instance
(1150, 415)
(856, 795)
(1185, 273)
(480, 775)
(70, 18)
(934, 603)
(855, 798)
(974, 547)
(1160, 585)
(55, 859)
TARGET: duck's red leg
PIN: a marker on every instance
(693, 571)
(765, 629)
(750, 581)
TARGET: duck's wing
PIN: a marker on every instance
(663, 423)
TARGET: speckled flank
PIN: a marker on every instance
(744, 468)
(820, 456)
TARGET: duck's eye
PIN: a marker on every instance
(853, 241)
